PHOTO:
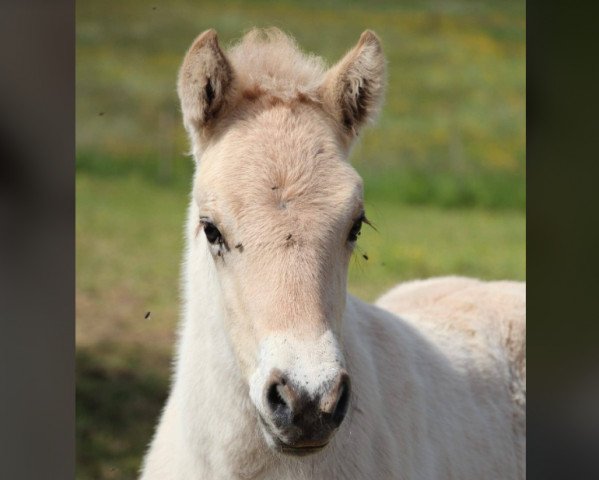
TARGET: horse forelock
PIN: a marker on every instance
(268, 62)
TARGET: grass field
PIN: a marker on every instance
(444, 174)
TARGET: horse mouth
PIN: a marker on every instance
(301, 451)
(288, 449)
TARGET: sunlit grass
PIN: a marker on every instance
(419, 242)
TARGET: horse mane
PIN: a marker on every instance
(268, 61)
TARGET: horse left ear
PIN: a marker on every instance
(353, 88)
(205, 81)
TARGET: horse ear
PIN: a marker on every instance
(204, 81)
(353, 88)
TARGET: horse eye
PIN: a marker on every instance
(212, 233)
(354, 233)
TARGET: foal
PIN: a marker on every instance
(280, 373)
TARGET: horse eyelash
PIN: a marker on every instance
(368, 222)
(201, 221)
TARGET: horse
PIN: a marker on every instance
(280, 373)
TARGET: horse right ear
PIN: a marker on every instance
(353, 89)
(204, 82)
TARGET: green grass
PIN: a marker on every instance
(420, 242)
(117, 408)
(444, 173)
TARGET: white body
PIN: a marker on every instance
(437, 367)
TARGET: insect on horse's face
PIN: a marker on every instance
(280, 211)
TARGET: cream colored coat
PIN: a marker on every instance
(437, 366)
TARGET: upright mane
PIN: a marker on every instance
(268, 61)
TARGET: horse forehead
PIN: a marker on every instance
(281, 169)
(287, 194)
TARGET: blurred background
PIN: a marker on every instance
(444, 172)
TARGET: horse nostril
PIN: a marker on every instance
(343, 402)
(274, 397)
(280, 397)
